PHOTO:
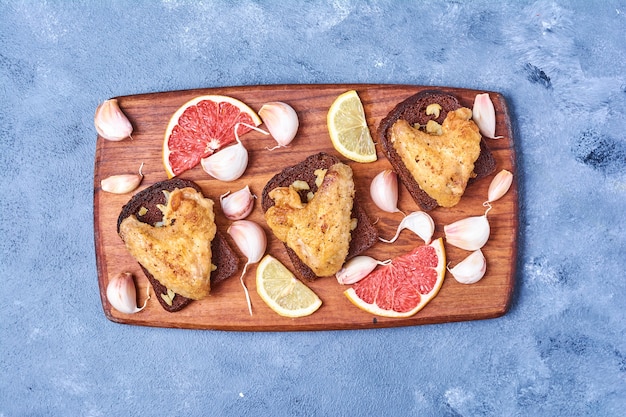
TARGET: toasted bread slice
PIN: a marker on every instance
(362, 237)
(413, 110)
(144, 206)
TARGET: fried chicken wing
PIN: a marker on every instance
(441, 164)
(318, 231)
(177, 253)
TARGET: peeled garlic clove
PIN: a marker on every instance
(419, 222)
(238, 205)
(499, 185)
(227, 164)
(281, 120)
(484, 115)
(471, 269)
(358, 268)
(111, 122)
(470, 233)
(123, 183)
(122, 294)
(252, 242)
(384, 191)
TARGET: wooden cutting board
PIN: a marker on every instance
(226, 307)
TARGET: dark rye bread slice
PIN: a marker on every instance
(223, 255)
(362, 238)
(413, 110)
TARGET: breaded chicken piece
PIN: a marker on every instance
(178, 253)
(318, 231)
(441, 164)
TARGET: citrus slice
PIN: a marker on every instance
(403, 287)
(282, 291)
(202, 126)
(348, 128)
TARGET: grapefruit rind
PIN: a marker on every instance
(243, 107)
(426, 298)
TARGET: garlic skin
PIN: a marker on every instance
(358, 268)
(238, 205)
(123, 183)
(227, 164)
(281, 121)
(110, 121)
(499, 185)
(419, 222)
(470, 233)
(471, 269)
(252, 242)
(484, 115)
(122, 294)
(384, 191)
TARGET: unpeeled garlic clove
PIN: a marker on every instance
(470, 233)
(238, 205)
(252, 242)
(419, 222)
(358, 268)
(123, 183)
(281, 121)
(384, 191)
(471, 269)
(110, 121)
(250, 239)
(484, 115)
(122, 294)
(499, 185)
(227, 164)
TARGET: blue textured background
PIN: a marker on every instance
(561, 350)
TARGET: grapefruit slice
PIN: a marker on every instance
(403, 287)
(201, 127)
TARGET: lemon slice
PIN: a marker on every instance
(282, 291)
(348, 128)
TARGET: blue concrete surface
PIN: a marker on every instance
(561, 350)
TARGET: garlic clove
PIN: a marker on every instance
(471, 269)
(238, 205)
(122, 294)
(281, 121)
(499, 185)
(110, 121)
(123, 183)
(419, 222)
(484, 115)
(251, 240)
(358, 268)
(470, 233)
(227, 164)
(384, 191)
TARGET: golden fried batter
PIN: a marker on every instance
(178, 253)
(318, 231)
(441, 164)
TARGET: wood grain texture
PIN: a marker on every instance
(226, 307)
